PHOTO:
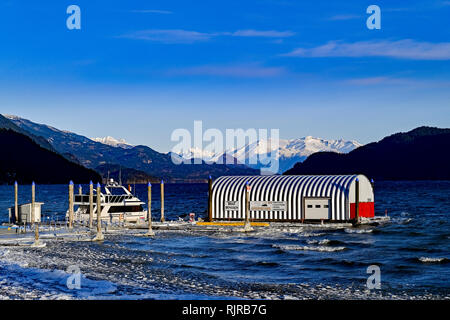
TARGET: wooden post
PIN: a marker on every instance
(99, 235)
(162, 201)
(357, 200)
(16, 202)
(33, 195)
(210, 199)
(91, 204)
(33, 213)
(80, 190)
(71, 204)
(150, 232)
(247, 225)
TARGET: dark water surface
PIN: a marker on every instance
(412, 251)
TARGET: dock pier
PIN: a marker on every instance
(24, 218)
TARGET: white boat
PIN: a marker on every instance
(118, 204)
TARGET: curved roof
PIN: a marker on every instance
(289, 189)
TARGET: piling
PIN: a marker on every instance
(150, 232)
(71, 204)
(99, 235)
(16, 202)
(357, 200)
(210, 199)
(247, 226)
(162, 201)
(33, 200)
(91, 204)
(33, 213)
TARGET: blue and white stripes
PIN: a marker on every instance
(288, 189)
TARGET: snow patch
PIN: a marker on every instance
(118, 143)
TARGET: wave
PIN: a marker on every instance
(267, 264)
(19, 278)
(401, 220)
(348, 230)
(321, 242)
(309, 248)
(336, 261)
(312, 234)
(432, 260)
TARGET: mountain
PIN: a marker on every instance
(119, 143)
(6, 123)
(420, 154)
(92, 154)
(126, 175)
(24, 160)
(290, 151)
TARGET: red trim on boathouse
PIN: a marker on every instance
(366, 209)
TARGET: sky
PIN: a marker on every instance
(138, 70)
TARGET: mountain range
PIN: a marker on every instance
(288, 153)
(142, 159)
(420, 154)
(10, 125)
(423, 153)
(141, 162)
(23, 160)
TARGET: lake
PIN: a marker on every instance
(412, 252)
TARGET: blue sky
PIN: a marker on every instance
(140, 69)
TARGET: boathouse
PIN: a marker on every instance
(292, 198)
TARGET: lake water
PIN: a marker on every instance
(412, 252)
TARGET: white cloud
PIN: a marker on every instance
(187, 36)
(267, 34)
(387, 80)
(377, 80)
(401, 49)
(240, 71)
(169, 36)
(342, 17)
(153, 11)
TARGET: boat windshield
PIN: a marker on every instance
(116, 191)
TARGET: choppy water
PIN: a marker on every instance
(412, 251)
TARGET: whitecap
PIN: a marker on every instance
(312, 234)
(321, 242)
(348, 230)
(431, 260)
(309, 248)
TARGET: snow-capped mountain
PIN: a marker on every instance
(104, 157)
(110, 141)
(291, 151)
(288, 152)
